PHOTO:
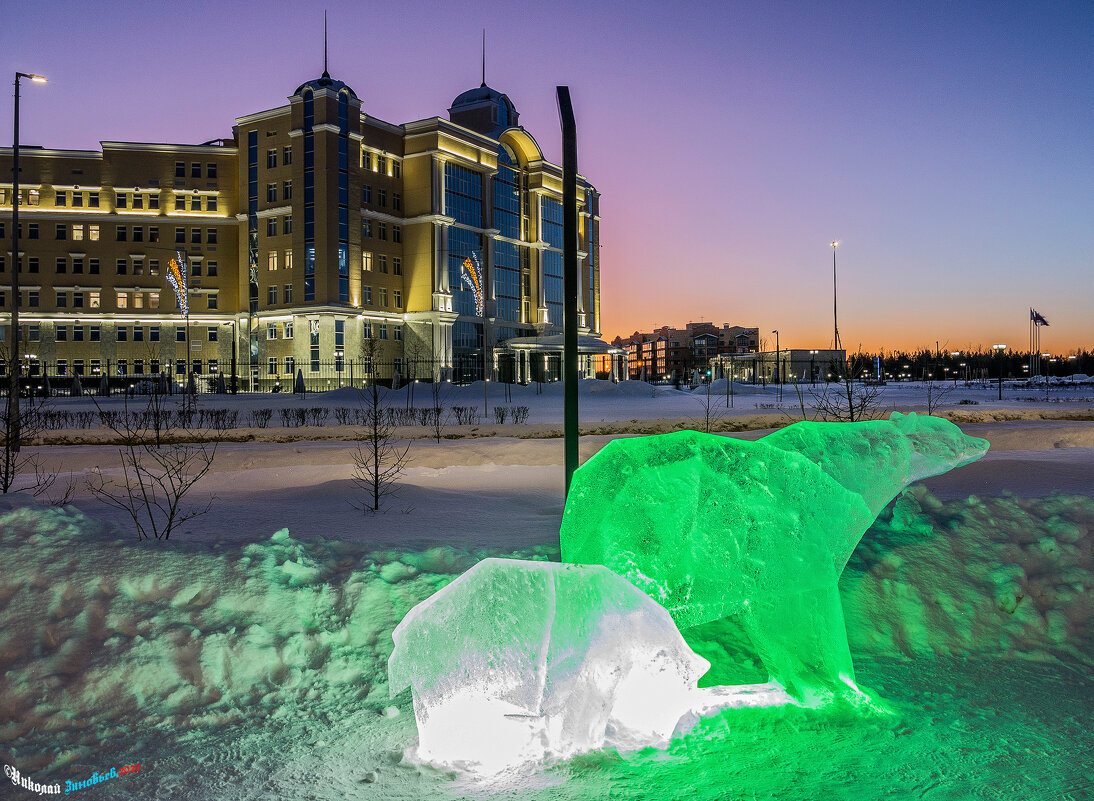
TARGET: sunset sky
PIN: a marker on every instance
(948, 146)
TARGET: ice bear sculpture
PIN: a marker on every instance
(712, 527)
(518, 661)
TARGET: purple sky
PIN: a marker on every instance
(948, 146)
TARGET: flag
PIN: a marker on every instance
(470, 275)
(1037, 318)
(177, 278)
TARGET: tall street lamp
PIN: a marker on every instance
(778, 372)
(835, 319)
(14, 371)
(999, 352)
(812, 370)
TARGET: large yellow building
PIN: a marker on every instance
(319, 239)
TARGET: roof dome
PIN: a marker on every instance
(504, 112)
(325, 82)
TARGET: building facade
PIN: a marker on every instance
(318, 238)
(666, 353)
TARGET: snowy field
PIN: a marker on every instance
(246, 658)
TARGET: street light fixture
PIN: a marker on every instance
(999, 349)
(15, 373)
(835, 319)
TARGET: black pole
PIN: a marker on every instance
(569, 276)
(13, 434)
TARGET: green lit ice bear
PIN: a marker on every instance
(718, 529)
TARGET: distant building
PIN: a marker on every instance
(666, 353)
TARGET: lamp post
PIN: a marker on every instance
(235, 344)
(778, 372)
(812, 371)
(999, 351)
(14, 371)
(835, 318)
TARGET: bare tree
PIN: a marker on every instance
(847, 401)
(937, 391)
(162, 459)
(438, 414)
(711, 408)
(378, 459)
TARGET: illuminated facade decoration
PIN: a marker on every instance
(314, 228)
(176, 277)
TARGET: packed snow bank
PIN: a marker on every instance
(110, 647)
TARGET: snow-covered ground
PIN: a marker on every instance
(246, 658)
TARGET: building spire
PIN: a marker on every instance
(484, 57)
(325, 73)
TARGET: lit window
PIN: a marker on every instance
(366, 261)
(93, 299)
(383, 296)
(77, 233)
(272, 260)
(93, 233)
(154, 301)
(123, 301)
(288, 259)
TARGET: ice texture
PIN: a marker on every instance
(517, 661)
(711, 527)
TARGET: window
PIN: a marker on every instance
(120, 233)
(180, 169)
(286, 190)
(211, 269)
(154, 333)
(32, 299)
(271, 157)
(396, 266)
(138, 366)
(271, 365)
(381, 230)
(195, 169)
(32, 230)
(33, 197)
(62, 300)
(290, 365)
(366, 161)
(62, 265)
(381, 196)
(138, 234)
(366, 295)
(211, 332)
(180, 366)
(93, 299)
(271, 226)
(366, 229)
(366, 330)
(195, 203)
(287, 156)
(210, 236)
(93, 233)
(180, 333)
(120, 266)
(123, 300)
(213, 366)
(287, 227)
(288, 330)
(33, 333)
(195, 236)
(195, 268)
(271, 193)
(271, 260)
(154, 234)
(366, 194)
(383, 296)
(77, 265)
(32, 264)
(366, 261)
(288, 294)
(122, 333)
(62, 333)
(383, 330)
(381, 164)
(288, 259)
(77, 300)
(62, 367)
(211, 203)
(396, 201)
(398, 333)
(180, 236)
(153, 266)
(397, 294)
(138, 333)
(211, 170)
(62, 231)
(180, 202)
(77, 200)
(397, 233)
(93, 199)
(396, 168)
(93, 266)
(138, 201)
(96, 367)
(271, 330)
(153, 300)
(120, 200)
(271, 295)
(212, 301)
(95, 334)
(381, 261)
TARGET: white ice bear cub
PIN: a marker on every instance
(517, 662)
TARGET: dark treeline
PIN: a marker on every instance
(973, 365)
